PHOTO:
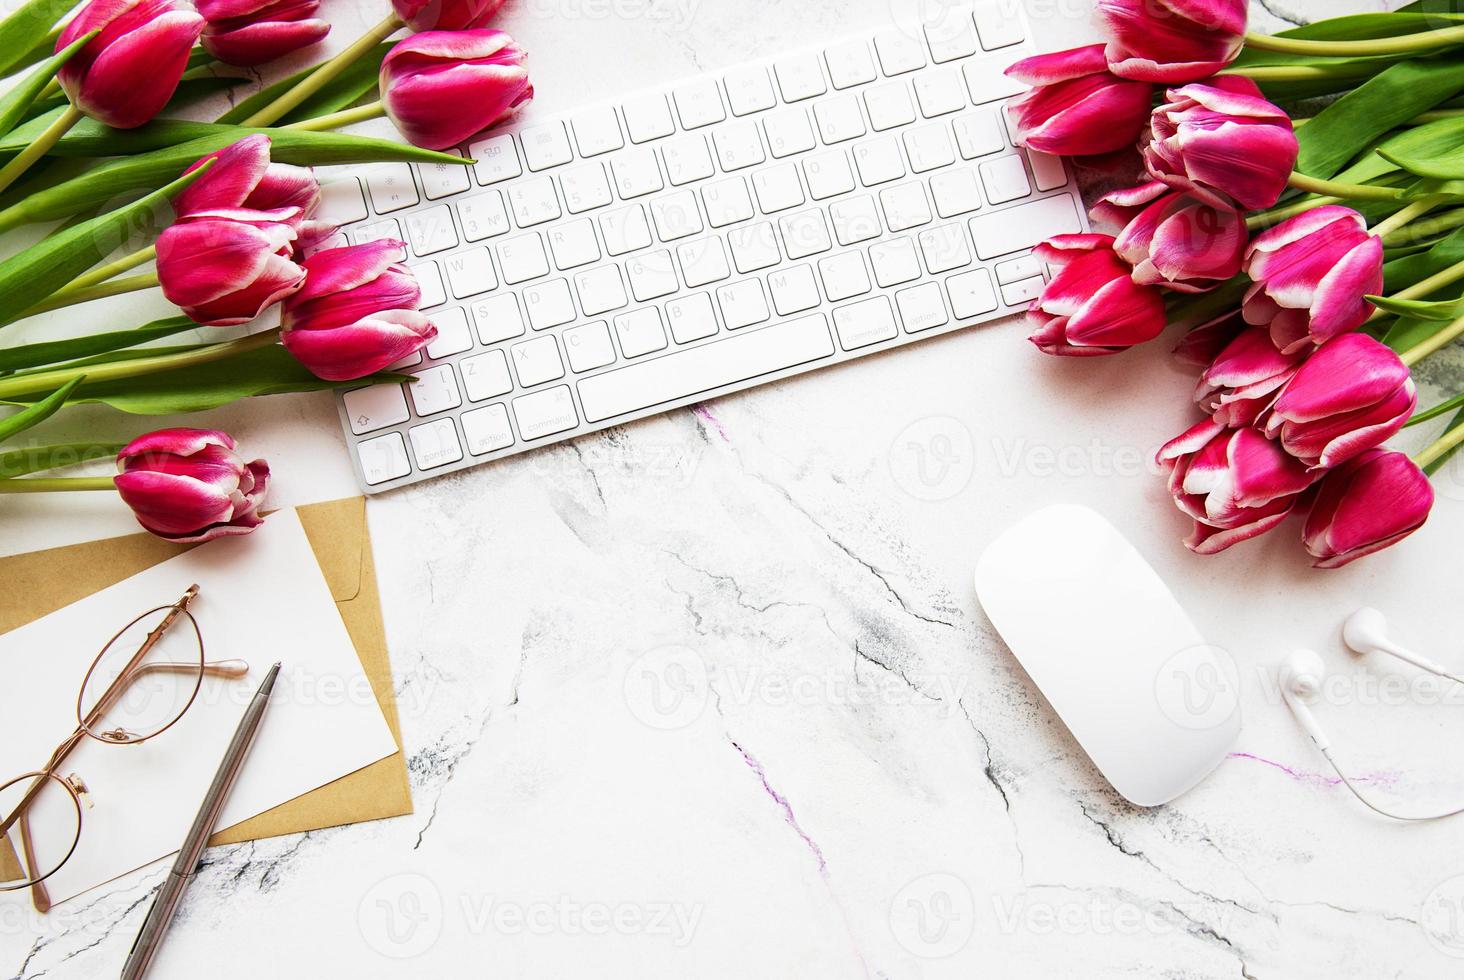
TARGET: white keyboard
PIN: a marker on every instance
(722, 232)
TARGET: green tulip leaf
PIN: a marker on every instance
(339, 93)
(39, 411)
(1439, 463)
(15, 103)
(22, 462)
(24, 31)
(61, 351)
(1404, 272)
(1421, 309)
(1443, 408)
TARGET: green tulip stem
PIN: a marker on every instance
(19, 386)
(318, 79)
(1277, 215)
(56, 484)
(115, 268)
(40, 147)
(1443, 447)
(53, 87)
(1407, 215)
(1428, 227)
(335, 120)
(1332, 188)
(1374, 47)
(71, 295)
(1443, 338)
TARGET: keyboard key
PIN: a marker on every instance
(879, 160)
(441, 179)
(687, 159)
(749, 90)
(828, 174)
(979, 133)
(894, 262)
(850, 64)
(391, 187)
(703, 369)
(636, 172)
(435, 444)
(905, 206)
(742, 303)
(843, 276)
(703, 262)
(839, 119)
(691, 317)
(1017, 269)
(588, 346)
(898, 52)
(498, 318)
(1005, 179)
(431, 231)
(738, 145)
(585, 188)
(522, 258)
(971, 294)
(545, 412)
(1047, 170)
(549, 304)
(376, 407)
(1024, 226)
(482, 216)
(921, 307)
(866, 322)
(929, 147)
(944, 248)
(727, 202)
(777, 188)
(453, 333)
(640, 332)
(793, 290)
(546, 146)
(955, 191)
(698, 103)
(435, 390)
(940, 92)
(625, 230)
(533, 202)
(470, 272)
(573, 244)
(600, 290)
(383, 458)
(496, 159)
(647, 117)
(953, 37)
(855, 220)
(799, 77)
(788, 132)
(805, 233)
(429, 281)
(1022, 293)
(651, 276)
(996, 25)
(377, 230)
(596, 131)
(986, 80)
(537, 361)
(754, 247)
(486, 429)
(889, 105)
(342, 202)
(676, 216)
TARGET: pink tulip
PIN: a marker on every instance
(189, 485)
(242, 176)
(226, 267)
(357, 312)
(1311, 275)
(1223, 143)
(1116, 210)
(1365, 505)
(1092, 306)
(129, 71)
(1352, 394)
(1182, 243)
(1235, 483)
(443, 87)
(446, 15)
(1200, 346)
(252, 32)
(1172, 41)
(1077, 107)
(1242, 382)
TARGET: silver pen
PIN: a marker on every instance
(170, 893)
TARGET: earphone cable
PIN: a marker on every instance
(1377, 809)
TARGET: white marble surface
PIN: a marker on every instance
(710, 696)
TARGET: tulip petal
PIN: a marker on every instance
(134, 76)
(361, 348)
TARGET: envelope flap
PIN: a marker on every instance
(337, 533)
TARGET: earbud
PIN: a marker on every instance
(1366, 631)
(1301, 681)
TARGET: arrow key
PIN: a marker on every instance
(375, 408)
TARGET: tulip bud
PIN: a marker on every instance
(442, 88)
(1078, 108)
(446, 15)
(1223, 143)
(225, 267)
(1092, 306)
(1311, 275)
(126, 74)
(1365, 505)
(252, 32)
(1242, 382)
(1172, 41)
(1182, 243)
(189, 485)
(1350, 395)
(242, 177)
(1235, 483)
(356, 313)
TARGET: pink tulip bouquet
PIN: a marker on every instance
(101, 110)
(1299, 219)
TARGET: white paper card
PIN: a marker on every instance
(262, 598)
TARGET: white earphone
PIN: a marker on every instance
(1301, 681)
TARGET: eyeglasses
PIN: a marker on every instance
(141, 683)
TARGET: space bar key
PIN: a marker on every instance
(705, 368)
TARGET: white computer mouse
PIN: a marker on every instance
(1100, 634)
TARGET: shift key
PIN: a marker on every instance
(1022, 227)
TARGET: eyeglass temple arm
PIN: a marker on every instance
(40, 898)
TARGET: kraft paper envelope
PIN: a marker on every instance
(43, 581)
